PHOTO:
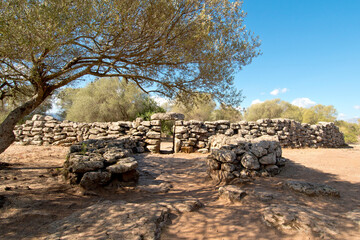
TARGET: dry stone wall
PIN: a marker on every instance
(189, 135)
(195, 134)
(235, 159)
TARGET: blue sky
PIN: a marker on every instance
(311, 52)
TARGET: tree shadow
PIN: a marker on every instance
(187, 173)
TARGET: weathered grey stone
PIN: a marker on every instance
(181, 129)
(154, 135)
(232, 193)
(153, 148)
(258, 150)
(272, 169)
(152, 141)
(177, 146)
(123, 165)
(228, 167)
(223, 155)
(82, 166)
(312, 189)
(213, 164)
(269, 159)
(249, 161)
(92, 180)
(112, 156)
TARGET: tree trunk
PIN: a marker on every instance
(7, 136)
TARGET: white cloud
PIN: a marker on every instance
(357, 107)
(256, 101)
(275, 92)
(278, 90)
(303, 102)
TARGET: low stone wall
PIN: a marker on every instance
(289, 132)
(94, 163)
(238, 159)
(189, 135)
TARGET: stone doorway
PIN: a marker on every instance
(167, 136)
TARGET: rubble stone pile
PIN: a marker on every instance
(233, 158)
(189, 136)
(95, 163)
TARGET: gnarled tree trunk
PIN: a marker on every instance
(7, 136)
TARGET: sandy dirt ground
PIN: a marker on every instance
(33, 194)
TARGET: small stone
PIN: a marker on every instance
(203, 150)
(232, 193)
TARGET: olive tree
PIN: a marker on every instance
(162, 46)
(123, 101)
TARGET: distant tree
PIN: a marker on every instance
(149, 108)
(281, 109)
(267, 109)
(291, 111)
(106, 100)
(319, 113)
(351, 131)
(164, 46)
(200, 109)
(226, 112)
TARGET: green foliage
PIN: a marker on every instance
(319, 113)
(351, 131)
(200, 108)
(267, 109)
(83, 148)
(106, 100)
(226, 112)
(167, 46)
(149, 108)
(281, 109)
(167, 127)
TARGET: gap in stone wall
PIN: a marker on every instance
(167, 137)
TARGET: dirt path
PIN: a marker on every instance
(35, 195)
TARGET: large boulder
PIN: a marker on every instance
(92, 180)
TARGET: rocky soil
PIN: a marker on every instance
(316, 196)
